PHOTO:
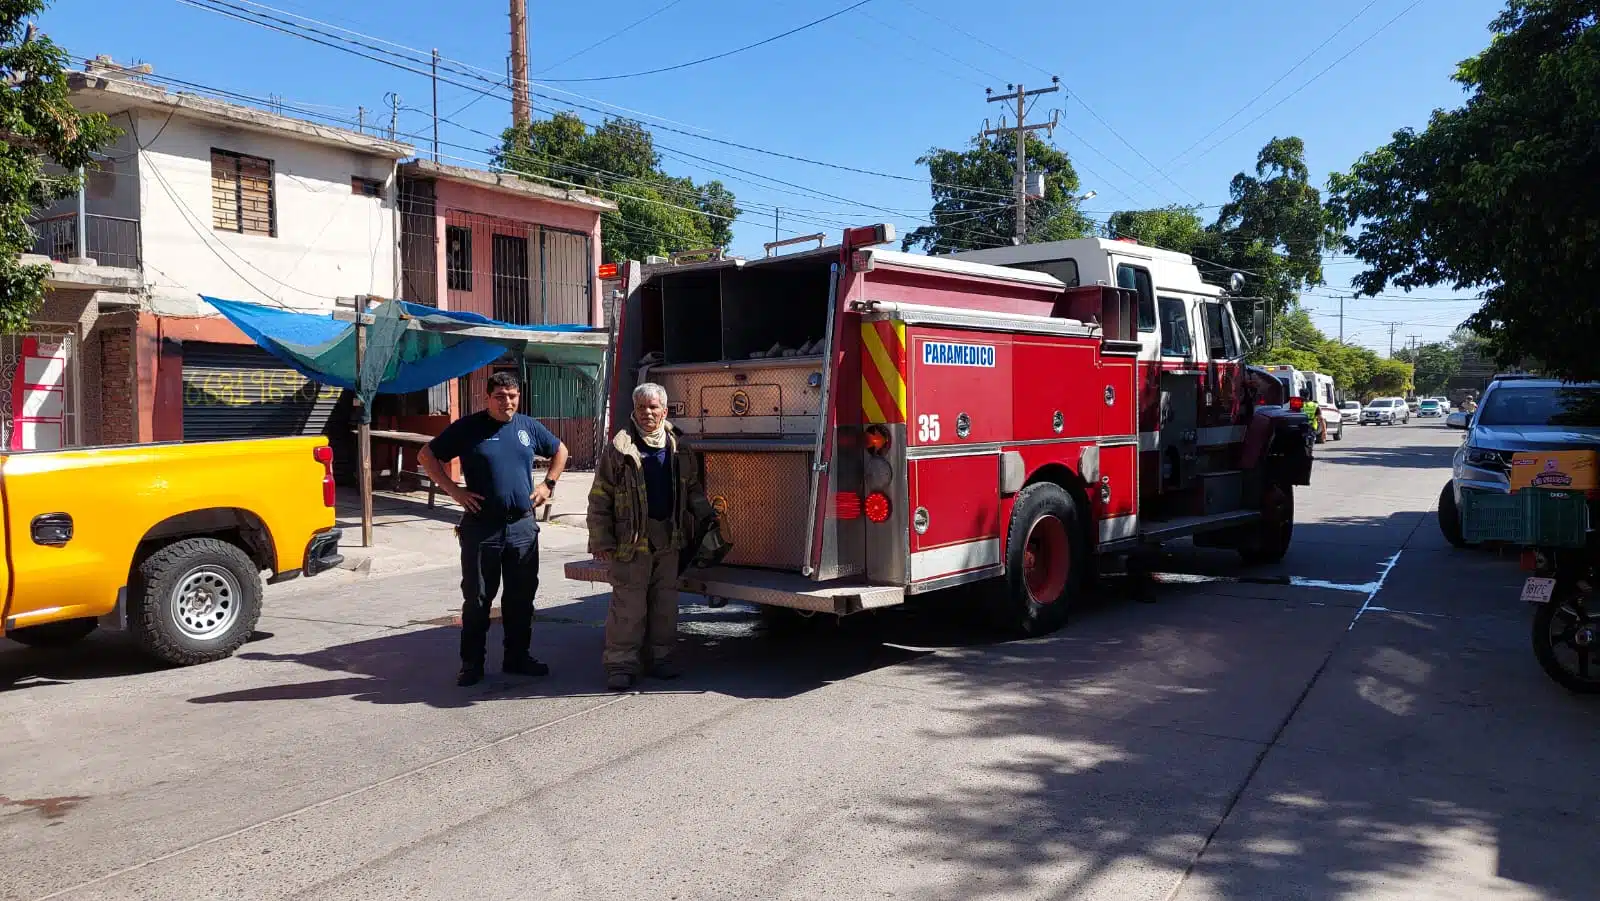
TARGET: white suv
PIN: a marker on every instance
(1386, 411)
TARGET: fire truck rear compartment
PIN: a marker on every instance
(740, 352)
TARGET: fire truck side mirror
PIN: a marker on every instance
(1258, 324)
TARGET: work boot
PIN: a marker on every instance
(619, 682)
(525, 666)
(471, 674)
(665, 670)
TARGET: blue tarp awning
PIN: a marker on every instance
(409, 347)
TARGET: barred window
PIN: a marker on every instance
(242, 196)
(458, 257)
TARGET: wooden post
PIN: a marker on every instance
(363, 431)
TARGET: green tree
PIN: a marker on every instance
(38, 126)
(1435, 363)
(657, 214)
(1499, 194)
(1274, 230)
(1174, 228)
(1389, 377)
(972, 197)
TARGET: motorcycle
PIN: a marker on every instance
(1566, 617)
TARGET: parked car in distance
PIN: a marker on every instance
(1413, 404)
(1444, 404)
(1521, 414)
(1429, 408)
(166, 541)
(1350, 411)
(1385, 411)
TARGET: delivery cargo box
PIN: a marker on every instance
(1571, 470)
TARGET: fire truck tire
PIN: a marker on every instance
(1269, 539)
(1044, 562)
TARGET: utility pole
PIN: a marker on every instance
(1414, 339)
(394, 112)
(436, 104)
(775, 224)
(1341, 318)
(361, 118)
(521, 106)
(1020, 130)
(1392, 327)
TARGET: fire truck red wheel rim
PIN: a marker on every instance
(1046, 560)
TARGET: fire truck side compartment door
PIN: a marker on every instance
(956, 518)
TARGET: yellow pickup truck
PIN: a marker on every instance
(167, 541)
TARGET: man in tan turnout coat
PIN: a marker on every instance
(644, 509)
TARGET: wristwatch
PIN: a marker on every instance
(550, 484)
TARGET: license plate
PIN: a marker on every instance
(1537, 590)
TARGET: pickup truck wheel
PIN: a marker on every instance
(196, 601)
(1269, 539)
(1044, 562)
(53, 635)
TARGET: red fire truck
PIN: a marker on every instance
(875, 425)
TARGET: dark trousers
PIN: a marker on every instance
(492, 553)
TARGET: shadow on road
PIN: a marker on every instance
(1414, 456)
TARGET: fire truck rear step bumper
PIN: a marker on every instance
(1184, 526)
(776, 589)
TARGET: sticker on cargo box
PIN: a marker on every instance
(940, 353)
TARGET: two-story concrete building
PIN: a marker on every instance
(204, 197)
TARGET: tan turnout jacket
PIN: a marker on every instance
(618, 504)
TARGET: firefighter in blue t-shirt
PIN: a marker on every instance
(499, 535)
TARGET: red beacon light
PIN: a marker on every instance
(868, 235)
(877, 507)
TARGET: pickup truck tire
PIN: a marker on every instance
(1268, 540)
(1045, 561)
(53, 635)
(195, 601)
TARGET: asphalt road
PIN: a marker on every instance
(1379, 732)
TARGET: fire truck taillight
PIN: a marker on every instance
(847, 505)
(877, 440)
(877, 507)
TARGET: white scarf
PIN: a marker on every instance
(654, 440)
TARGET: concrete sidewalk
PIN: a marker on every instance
(409, 536)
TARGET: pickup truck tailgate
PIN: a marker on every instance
(760, 586)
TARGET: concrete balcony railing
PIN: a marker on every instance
(111, 241)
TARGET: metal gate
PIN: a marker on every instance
(241, 391)
(38, 391)
(513, 295)
(568, 404)
(567, 265)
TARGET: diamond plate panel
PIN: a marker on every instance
(761, 497)
(777, 387)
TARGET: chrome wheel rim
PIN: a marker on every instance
(206, 602)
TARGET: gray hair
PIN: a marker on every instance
(648, 390)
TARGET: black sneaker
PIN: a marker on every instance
(469, 675)
(619, 682)
(525, 666)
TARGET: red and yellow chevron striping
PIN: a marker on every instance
(883, 371)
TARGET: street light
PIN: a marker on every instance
(1088, 195)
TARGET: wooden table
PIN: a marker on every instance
(408, 439)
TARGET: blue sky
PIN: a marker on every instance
(877, 86)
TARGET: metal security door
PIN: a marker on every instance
(241, 391)
(512, 286)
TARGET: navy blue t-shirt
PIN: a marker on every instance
(497, 458)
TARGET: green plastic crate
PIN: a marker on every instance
(1535, 517)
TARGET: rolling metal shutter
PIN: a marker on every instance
(241, 391)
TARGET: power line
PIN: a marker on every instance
(1307, 83)
(288, 28)
(1277, 81)
(612, 36)
(723, 55)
